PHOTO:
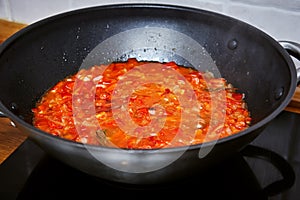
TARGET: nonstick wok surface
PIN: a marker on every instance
(40, 55)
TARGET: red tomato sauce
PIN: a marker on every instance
(107, 105)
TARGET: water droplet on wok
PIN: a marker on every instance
(278, 93)
(232, 44)
(14, 106)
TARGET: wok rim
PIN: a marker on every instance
(35, 25)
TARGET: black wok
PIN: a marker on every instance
(43, 53)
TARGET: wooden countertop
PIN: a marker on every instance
(11, 138)
(8, 28)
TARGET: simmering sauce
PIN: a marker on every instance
(142, 105)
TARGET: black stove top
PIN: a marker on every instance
(29, 173)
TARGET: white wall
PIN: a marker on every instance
(278, 18)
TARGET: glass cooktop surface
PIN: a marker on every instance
(30, 173)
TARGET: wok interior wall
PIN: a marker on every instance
(279, 18)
